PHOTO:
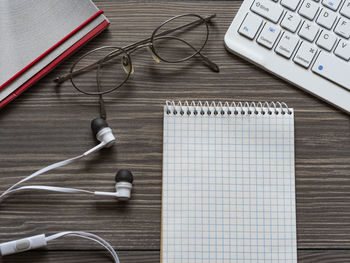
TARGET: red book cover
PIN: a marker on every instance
(24, 68)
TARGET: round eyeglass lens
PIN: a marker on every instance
(180, 38)
(101, 71)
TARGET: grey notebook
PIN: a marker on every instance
(29, 28)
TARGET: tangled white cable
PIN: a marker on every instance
(103, 134)
(30, 243)
(41, 171)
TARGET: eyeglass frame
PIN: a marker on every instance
(127, 50)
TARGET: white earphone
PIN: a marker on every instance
(123, 186)
(104, 134)
(123, 178)
(38, 241)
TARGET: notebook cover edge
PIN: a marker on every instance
(93, 33)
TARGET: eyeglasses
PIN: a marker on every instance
(105, 69)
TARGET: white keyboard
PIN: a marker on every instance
(305, 42)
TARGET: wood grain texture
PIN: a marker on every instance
(308, 256)
(50, 123)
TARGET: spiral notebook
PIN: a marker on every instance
(228, 183)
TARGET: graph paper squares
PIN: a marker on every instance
(228, 189)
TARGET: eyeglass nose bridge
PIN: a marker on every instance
(150, 49)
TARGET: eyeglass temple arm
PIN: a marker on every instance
(103, 113)
(65, 77)
(198, 21)
(213, 66)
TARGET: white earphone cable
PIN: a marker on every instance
(51, 167)
(49, 188)
(88, 236)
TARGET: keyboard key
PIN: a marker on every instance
(343, 28)
(250, 26)
(268, 35)
(290, 4)
(291, 21)
(326, 40)
(305, 54)
(343, 50)
(326, 18)
(286, 45)
(267, 9)
(308, 31)
(345, 11)
(309, 9)
(332, 4)
(324, 66)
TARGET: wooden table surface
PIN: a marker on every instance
(48, 124)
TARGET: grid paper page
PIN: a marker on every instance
(228, 188)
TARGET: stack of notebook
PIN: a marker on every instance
(37, 35)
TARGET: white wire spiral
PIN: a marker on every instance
(226, 108)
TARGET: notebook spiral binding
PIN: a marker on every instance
(236, 108)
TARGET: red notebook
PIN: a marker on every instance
(38, 35)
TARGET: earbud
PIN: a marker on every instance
(123, 186)
(102, 132)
